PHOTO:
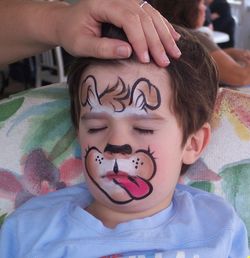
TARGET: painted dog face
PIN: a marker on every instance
(130, 139)
(121, 179)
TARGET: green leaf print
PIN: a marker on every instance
(63, 143)
(2, 218)
(235, 185)
(57, 92)
(52, 132)
(7, 109)
(203, 185)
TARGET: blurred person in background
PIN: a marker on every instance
(223, 20)
(233, 64)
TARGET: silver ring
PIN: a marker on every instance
(142, 3)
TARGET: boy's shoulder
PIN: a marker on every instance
(207, 209)
(199, 197)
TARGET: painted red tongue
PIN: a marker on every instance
(137, 187)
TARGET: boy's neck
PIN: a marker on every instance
(111, 218)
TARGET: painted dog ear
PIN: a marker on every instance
(145, 95)
(88, 92)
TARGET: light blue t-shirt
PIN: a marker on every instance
(197, 224)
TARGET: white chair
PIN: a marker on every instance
(50, 67)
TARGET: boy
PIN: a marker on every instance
(139, 126)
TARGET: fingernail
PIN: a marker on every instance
(146, 58)
(176, 50)
(165, 59)
(123, 51)
(177, 36)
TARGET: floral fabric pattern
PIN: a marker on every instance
(224, 168)
(40, 153)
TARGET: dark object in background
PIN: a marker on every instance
(23, 71)
(4, 81)
(225, 22)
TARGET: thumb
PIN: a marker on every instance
(104, 48)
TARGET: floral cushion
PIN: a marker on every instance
(39, 150)
(40, 153)
(224, 167)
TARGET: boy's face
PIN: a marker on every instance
(130, 140)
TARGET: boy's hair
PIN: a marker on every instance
(194, 81)
(181, 12)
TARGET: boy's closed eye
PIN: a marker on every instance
(97, 129)
(143, 130)
(137, 129)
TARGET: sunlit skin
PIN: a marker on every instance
(154, 136)
(202, 14)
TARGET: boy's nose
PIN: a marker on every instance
(124, 149)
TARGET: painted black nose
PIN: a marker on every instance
(122, 149)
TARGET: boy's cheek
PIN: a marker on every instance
(84, 149)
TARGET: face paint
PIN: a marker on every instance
(123, 121)
(138, 99)
(124, 149)
(130, 176)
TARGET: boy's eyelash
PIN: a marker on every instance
(144, 131)
(96, 130)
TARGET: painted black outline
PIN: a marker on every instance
(148, 152)
(125, 94)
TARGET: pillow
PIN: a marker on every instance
(39, 148)
(224, 167)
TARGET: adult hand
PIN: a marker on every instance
(36, 26)
(80, 27)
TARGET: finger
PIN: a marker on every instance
(172, 31)
(155, 13)
(105, 48)
(165, 31)
(156, 47)
(136, 37)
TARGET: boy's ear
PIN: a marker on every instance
(196, 143)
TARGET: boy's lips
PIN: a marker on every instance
(135, 186)
(111, 175)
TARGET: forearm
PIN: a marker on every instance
(233, 52)
(235, 75)
(230, 72)
(27, 27)
(241, 56)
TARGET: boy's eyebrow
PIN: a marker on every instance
(146, 117)
(94, 115)
(104, 115)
